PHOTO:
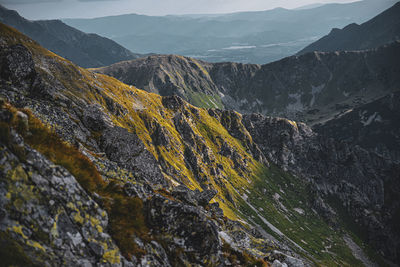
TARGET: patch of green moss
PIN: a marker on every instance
(205, 101)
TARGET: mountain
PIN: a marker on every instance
(380, 30)
(373, 126)
(312, 87)
(246, 37)
(97, 172)
(86, 50)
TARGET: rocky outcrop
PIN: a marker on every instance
(47, 218)
(188, 228)
(128, 151)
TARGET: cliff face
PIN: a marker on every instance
(141, 179)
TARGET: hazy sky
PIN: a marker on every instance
(47, 9)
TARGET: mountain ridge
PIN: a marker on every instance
(254, 88)
(87, 50)
(382, 29)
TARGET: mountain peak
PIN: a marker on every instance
(380, 30)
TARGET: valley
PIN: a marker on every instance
(169, 160)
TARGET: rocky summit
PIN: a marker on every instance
(95, 172)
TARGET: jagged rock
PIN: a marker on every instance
(204, 197)
(127, 149)
(195, 197)
(156, 256)
(95, 119)
(23, 118)
(181, 192)
(173, 102)
(127, 157)
(114, 107)
(188, 226)
(5, 115)
(294, 87)
(373, 126)
(138, 190)
(160, 136)
(216, 210)
(17, 65)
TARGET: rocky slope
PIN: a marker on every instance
(373, 126)
(155, 181)
(313, 87)
(381, 30)
(86, 50)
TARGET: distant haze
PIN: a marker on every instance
(55, 9)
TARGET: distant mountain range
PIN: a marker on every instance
(245, 37)
(86, 50)
(382, 29)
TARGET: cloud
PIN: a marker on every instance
(27, 1)
(97, 0)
